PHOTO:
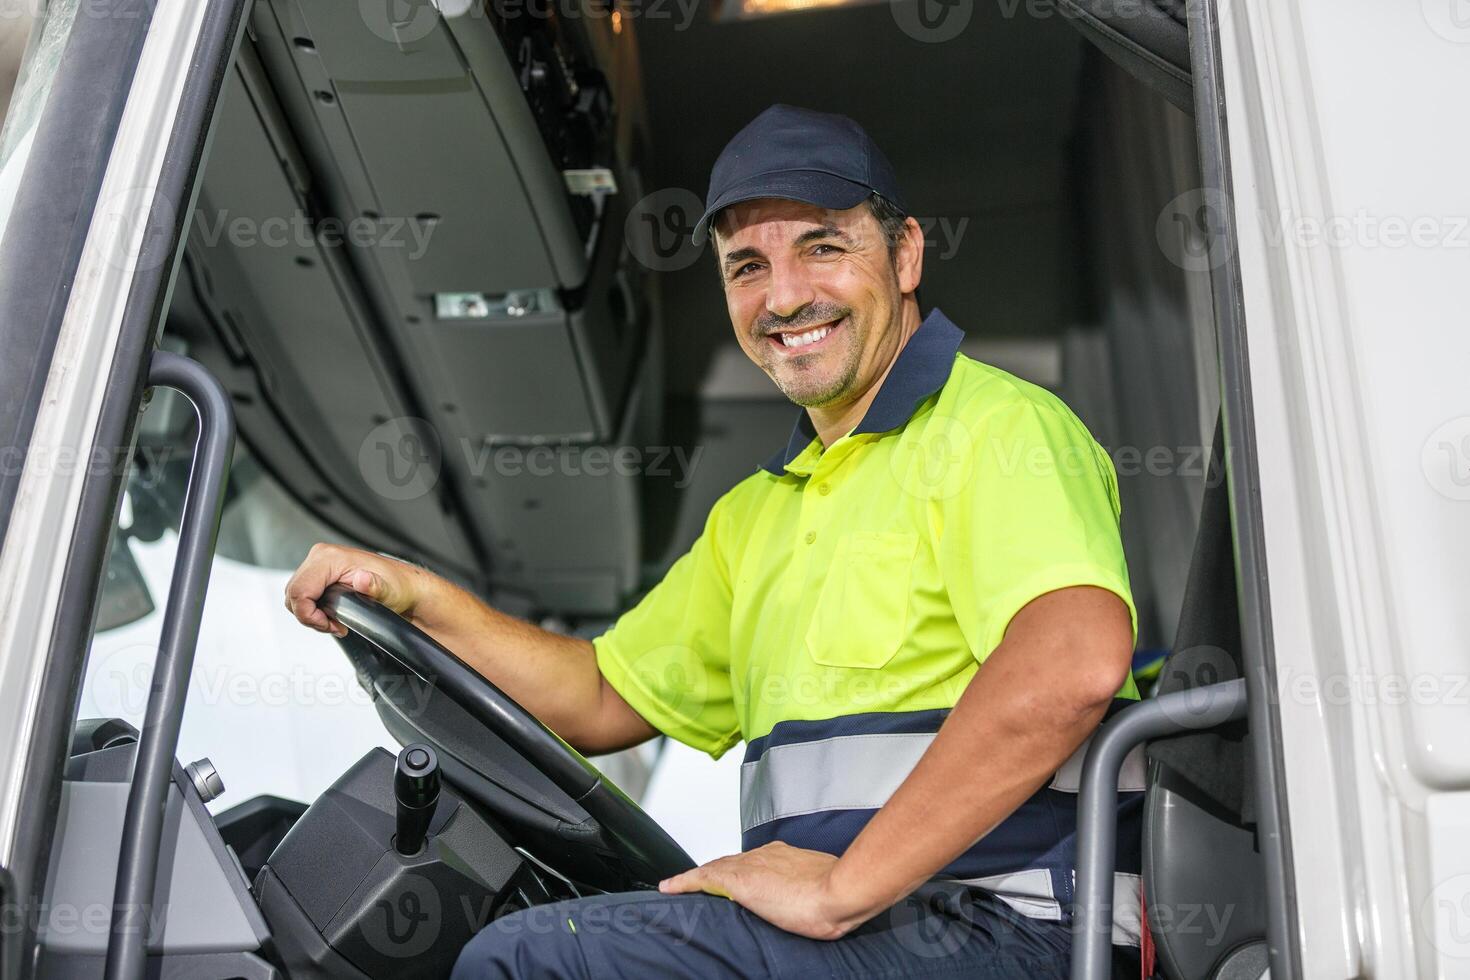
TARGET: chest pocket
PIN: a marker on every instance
(861, 616)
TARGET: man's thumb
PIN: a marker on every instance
(367, 583)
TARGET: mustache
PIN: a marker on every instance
(808, 316)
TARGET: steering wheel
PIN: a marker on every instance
(618, 826)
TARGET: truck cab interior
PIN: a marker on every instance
(439, 263)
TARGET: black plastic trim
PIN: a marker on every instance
(42, 247)
(1243, 478)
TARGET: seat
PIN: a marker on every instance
(1204, 879)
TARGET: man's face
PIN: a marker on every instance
(814, 296)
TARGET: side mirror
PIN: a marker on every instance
(125, 597)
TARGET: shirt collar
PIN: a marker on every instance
(921, 369)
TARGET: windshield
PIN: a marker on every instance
(275, 707)
(32, 85)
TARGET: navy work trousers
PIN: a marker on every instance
(939, 931)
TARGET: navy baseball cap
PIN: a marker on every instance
(799, 155)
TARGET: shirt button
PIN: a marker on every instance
(824, 489)
(811, 536)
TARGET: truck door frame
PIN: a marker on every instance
(1243, 479)
(86, 297)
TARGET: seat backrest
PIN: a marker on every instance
(1204, 881)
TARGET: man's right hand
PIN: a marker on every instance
(395, 584)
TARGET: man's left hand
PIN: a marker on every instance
(789, 887)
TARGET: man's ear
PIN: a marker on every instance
(908, 258)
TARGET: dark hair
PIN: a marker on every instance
(890, 220)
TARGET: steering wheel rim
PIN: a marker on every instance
(644, 844)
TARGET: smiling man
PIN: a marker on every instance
(914, 615)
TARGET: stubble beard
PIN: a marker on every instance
(814, 392)
(787, 370)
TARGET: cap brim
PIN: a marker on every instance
(808, 186)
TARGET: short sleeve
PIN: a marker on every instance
(1040, 513)
(669, 656)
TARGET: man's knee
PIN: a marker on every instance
(535, 942)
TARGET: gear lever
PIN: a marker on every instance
(416, 791)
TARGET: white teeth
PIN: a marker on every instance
(802, 339)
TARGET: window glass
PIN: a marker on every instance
(49, 34)
(276, 707)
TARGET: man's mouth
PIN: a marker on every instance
(806, 338)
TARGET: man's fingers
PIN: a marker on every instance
(321, 568)
(705, 878)
(318, 620)
(688, 881)
(301, 600)
(327, 565)
(307, 613)
(683, 884)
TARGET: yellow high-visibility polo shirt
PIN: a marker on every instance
(876, 575)
(839, 601)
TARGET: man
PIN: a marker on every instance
(905, 812)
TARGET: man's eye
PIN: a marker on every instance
(825, 249)
(742, 270)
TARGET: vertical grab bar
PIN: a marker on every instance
(1097, 805)
(137, 866)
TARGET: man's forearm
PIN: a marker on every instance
(555, 677)
(980, 768)
(1021, 717)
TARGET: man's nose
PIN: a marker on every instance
(788, 289)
